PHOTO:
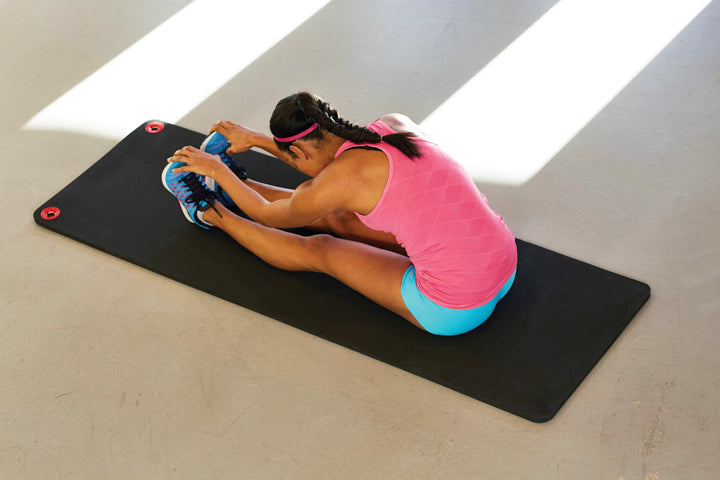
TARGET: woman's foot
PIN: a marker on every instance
(191, 192)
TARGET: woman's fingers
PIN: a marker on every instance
(222, 126)
(183, 154)
(195, 160)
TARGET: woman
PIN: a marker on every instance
(411, 230)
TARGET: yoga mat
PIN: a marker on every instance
(544, 338)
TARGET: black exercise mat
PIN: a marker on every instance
(548, 333)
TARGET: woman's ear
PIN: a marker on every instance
(299, 154)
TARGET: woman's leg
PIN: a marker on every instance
(373, 272)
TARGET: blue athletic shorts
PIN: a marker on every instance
(440, 320)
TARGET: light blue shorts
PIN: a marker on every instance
(440, 320)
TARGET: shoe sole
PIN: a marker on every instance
(207, 140)
(209, 181)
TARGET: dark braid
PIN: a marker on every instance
(298, 112)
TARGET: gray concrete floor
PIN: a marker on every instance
(110, 371)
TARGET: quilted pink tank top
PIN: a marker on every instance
(462, 251)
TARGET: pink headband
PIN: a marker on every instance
(299, 135)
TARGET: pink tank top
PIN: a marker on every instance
(462, 251)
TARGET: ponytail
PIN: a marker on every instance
(302, 111)
(404, 142)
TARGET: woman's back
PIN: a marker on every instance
(462, 250)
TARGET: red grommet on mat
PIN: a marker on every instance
(50, 213)
(154, 127)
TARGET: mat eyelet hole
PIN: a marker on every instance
(154, 127)
(50, 213)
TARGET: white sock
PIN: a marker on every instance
(199, 216)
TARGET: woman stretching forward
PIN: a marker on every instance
(412, 231)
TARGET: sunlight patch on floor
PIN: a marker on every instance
(176, 67)
(519, 111)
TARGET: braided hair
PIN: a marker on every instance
(300, 111)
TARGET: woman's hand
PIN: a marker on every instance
(241, 138)
(198, 162)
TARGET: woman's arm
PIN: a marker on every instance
(314, 199)
(242, 139)
(269, 192)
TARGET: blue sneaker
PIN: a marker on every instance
(217, 144)
(191, 192)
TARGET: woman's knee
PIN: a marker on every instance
(317, 248)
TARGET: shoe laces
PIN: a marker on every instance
(200, 195)
(234, 167)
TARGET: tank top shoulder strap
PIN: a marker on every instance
(377, 127)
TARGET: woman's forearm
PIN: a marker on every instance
(268, 144)
(272, 212)
(247, 198)
(269, 192)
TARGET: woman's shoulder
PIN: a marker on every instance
(400, 123)
(363, 174)
(358, 159)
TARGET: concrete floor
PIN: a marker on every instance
(109, 371)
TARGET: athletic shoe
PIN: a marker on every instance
(191, 192)
(217, 144)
